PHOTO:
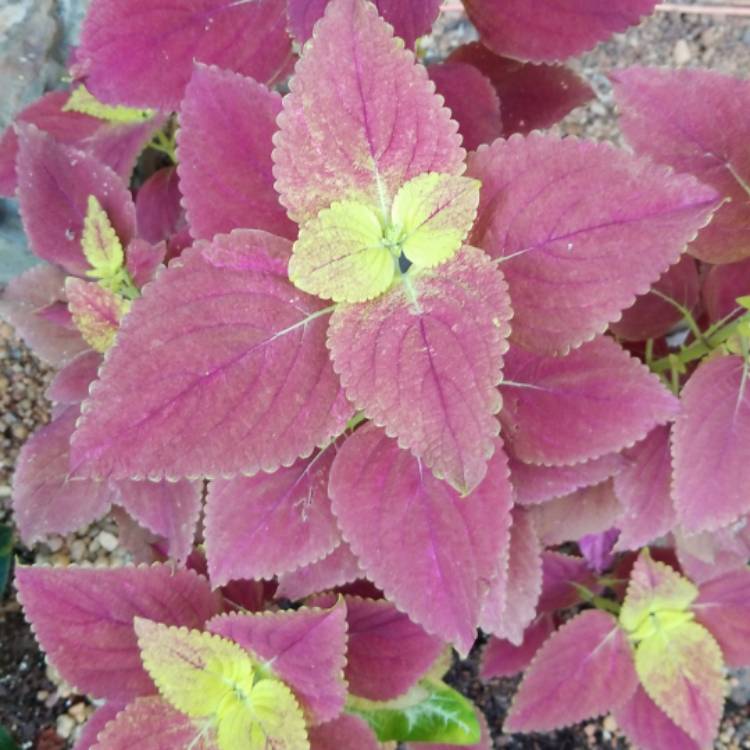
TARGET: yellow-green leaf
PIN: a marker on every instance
(432, 216)
(341, 255)
(101, 245)
(96, 312)
(82, 100)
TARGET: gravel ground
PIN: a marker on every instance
(44, 714)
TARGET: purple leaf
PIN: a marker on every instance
(427, 369)
(157, 206)
(597, 549)
(564, 216)
(546, 30)
(644, 489)
(646, 725)
(222, 366)
(124, 47)
(387, 652)
(432, 552)
(532, 97)
(71, 384)
(95, 724)
(472, 100)
(501, 658)
(83, 619)
(534, 484)
(559, 573)
(270, 524)
(24, 304)
(410, 18)
(709, 446)
(143, 260)
(336, 569)
(224, 150)
(723, 608)
(701, 132)
(722, 285)
(345, 732)
(595, 400)
(652, 316)
(349, 127)
(306, 649)
(54, 185)
(584, 669)
(167, 509)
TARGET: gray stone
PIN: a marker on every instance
(15, 257)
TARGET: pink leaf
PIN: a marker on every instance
(224, 148)
(595, 400)
(501, 658)
(427, 370)
(45, 499)
(709, 448)
(83, 619)
(564, 217)
(361, 118)
(306, 649)
(124, 47)
(534, 484)
(157, 206)
(431, 551)
(701, 132)
(472, 100)
(23, 305)
(711, 554)
(545, 30)
(387, 652)
(270, 524)
(597, 549)
(410, 18)
(644, 489)
(532, 97)
(583, 670)
(652, 316)
(95, 724)
(347, 731)
(722, 285)
(723, 608)
(559, 574)
(142, 260)
(223, 367)
(55, 182)
(168, 509)
(71, 384)
(336, 569)
(646, 725)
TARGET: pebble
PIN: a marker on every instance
(108, 541)
(65, 725)
(682, 53)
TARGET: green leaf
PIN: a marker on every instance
(432, 216)
(6, 741)
(744, 301)
(429, 712)
(81, 100)
(6, 558)
(101, 245)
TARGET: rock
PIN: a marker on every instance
(108, 541)
(65, 726)
(682, 53)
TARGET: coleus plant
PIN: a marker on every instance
(374, 358)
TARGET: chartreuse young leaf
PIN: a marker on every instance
(96, 312)
(82, 100)
(210, 678)
(430, 712)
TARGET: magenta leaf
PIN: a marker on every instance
(349, 127)
(722, 285)
(432, 552)
(535, 484)
(95, 724)
(709, 446)
(532, 97)
(83, 619)
(598, 548)
(646, 725)
(584, 669)
(45, 498)
(228, 120)
(546, 30)
(424, 360)
(335, 569)
(306, 649)
(563, 217)
(25, 304)
(723, 608)
(142, 260)
(472, 100)
(124, 47)
(595, 400)
(387, 653)
(560, 575)
(410, 18)
(71, 384)
(232, 331)
(711, 554)
(702, 133)
(644, 489)
(501, 658)
(347, 731)
(158, 211)
(54, 186)
(270, 524)
(652, 316)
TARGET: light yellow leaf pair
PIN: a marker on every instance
(83, 101)
(101, 245)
